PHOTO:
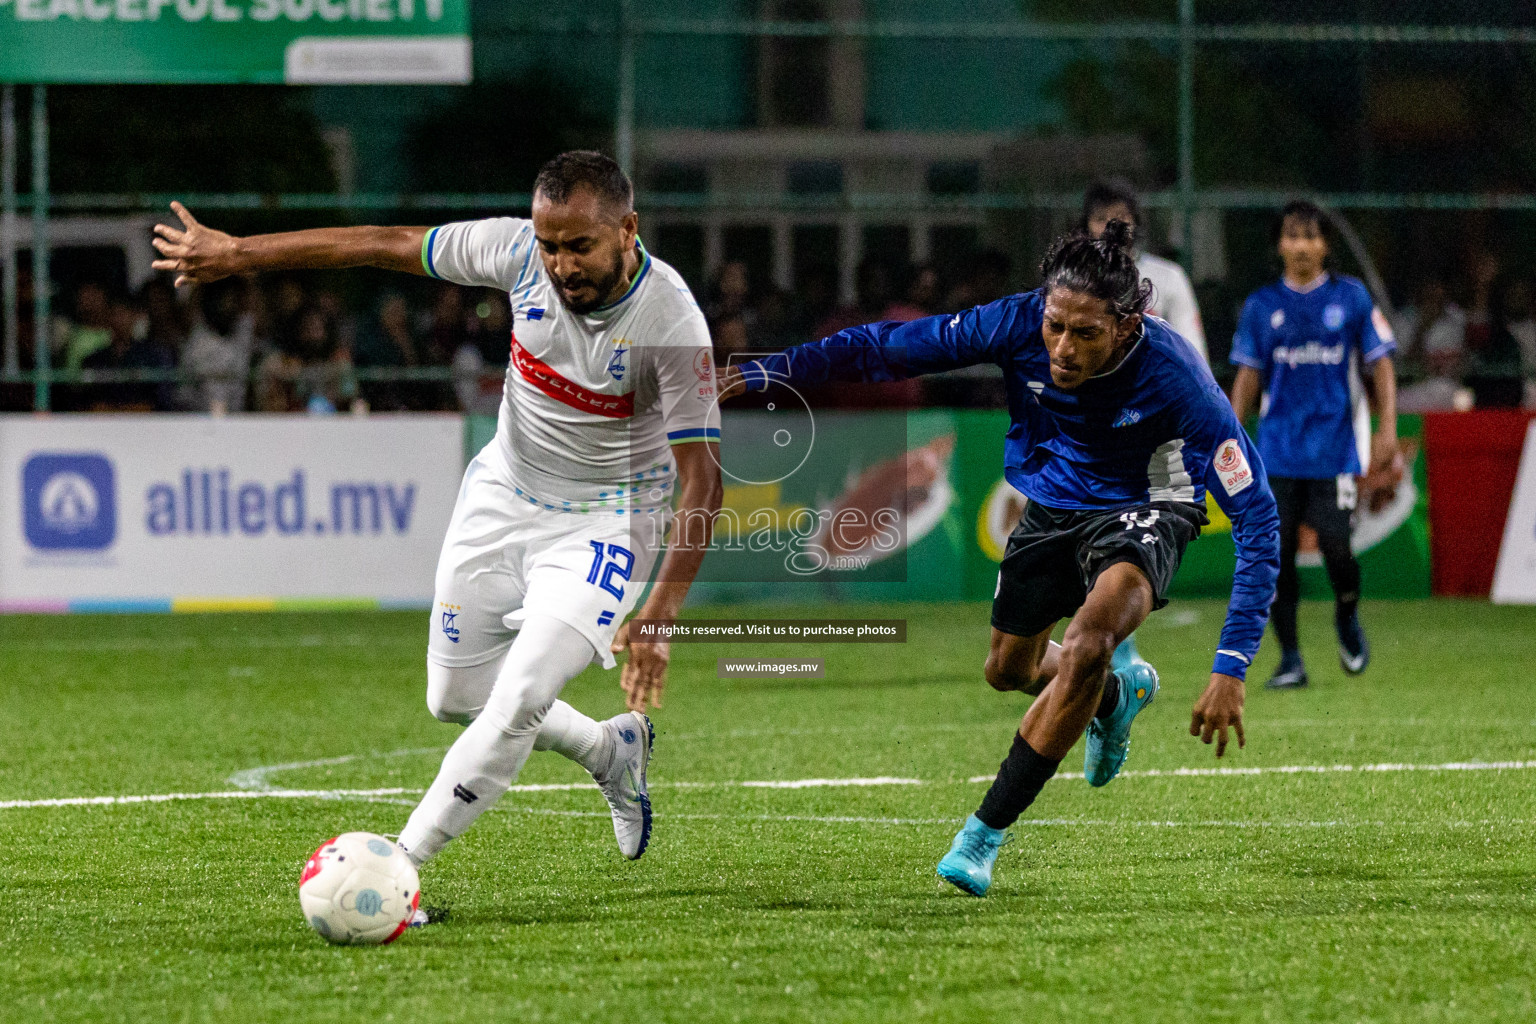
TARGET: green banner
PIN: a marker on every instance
(206, 41)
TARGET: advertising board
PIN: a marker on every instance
(184, 512)
(1514, 581)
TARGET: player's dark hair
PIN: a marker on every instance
(1101, 267)
(1307, 212)
(1108, 192)
(584, 168)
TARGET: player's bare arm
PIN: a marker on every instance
(1245, 391)
(645, 673)
(198, 254)
(1383, 395)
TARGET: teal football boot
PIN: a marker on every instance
(1109, 740)
(1125, 655)
(968, 864)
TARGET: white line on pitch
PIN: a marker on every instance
(1304, 769)
(884, 780)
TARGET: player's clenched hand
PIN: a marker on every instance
(196, 253)
(1219, 707)
(644, 675)
(731, 383)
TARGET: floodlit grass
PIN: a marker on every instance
(1380, 896)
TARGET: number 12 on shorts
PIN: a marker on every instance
(603, 572)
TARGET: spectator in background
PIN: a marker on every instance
(1519, 324)
(779, 321)
(1434, 330)
(817, 292)
(1481, 319)
(480, 364)
(983, 278)
(217, 356)
(919, 296)
(1173, 297)
(728, 311)
(18, 397)
(444, 328)
(165, 319)
(131, 348)
(387, 341)
(315, 375)
(279, 316)
(875, 290)
(87, 331)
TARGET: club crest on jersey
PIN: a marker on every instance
(703, 366)
(616, 367)
(1333, 316)
(1277, 319)
(1128, 418)
(1232, 467)
(450, 621)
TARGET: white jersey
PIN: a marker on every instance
(592, 402)
(1173, 298)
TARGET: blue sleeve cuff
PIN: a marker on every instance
(1231, 663)
(1238, 359)
(754, 376)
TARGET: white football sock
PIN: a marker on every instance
(492, 750)
(582, 739)
(460, 694)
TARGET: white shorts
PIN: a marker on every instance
(505, 558)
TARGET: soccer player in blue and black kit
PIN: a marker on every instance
(1118, 431)
(1302, 342)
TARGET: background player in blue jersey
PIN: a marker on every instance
(1302, 342)
(1118, 431)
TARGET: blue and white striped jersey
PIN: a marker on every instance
(1155, 428)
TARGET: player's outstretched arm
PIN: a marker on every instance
(886, 351)
(198, 254)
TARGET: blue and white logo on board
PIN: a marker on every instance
(70, 501)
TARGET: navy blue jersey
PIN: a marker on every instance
(1155, 428)
(1309, 346)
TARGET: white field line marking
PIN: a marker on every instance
(381, 795)
(1003, 727)
(331, 794)
(205, 643)
(1304, 769)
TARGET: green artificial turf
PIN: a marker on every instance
(1347, 895)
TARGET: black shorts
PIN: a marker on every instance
(1054, 556)
(1327, 505)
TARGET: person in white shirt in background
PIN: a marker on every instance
(1173, 297)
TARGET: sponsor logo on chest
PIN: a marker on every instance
(566, 391)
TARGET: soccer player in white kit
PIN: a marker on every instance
(608, 414)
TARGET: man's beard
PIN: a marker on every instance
(603, 287)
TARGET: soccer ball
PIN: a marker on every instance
(359, 889)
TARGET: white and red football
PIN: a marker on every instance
(359, 889)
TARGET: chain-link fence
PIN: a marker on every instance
(804, 159)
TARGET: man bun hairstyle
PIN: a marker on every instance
(584, 168)
(1101, 267)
